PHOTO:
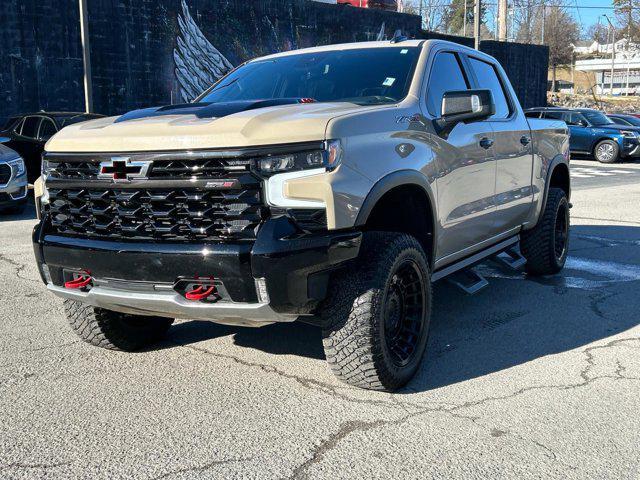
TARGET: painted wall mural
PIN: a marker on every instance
(198, 64)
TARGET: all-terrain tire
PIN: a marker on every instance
(368, 307)
(546, 245)
(114, 330)
(607, 151)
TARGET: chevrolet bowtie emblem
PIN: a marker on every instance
(122, 169)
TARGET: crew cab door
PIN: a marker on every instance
(513, 148)
(466, 167)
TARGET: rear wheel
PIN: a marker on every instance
(607, 151)
(546, 246)
(378, 314)
(114, 330)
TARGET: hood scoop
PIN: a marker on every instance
(210, 110)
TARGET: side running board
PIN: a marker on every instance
(511, 258)
(469, 281)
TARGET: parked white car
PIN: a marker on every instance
(13, 181)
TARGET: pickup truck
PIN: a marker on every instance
(329, 185)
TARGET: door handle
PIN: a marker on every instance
(524, 140)
(486, 143)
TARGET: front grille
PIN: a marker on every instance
(155, 214)
(5, 174)
(160, 169)
(186, 197)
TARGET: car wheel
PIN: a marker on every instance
(377, 315)
(546, 245)
(607, 151)
(114, 330)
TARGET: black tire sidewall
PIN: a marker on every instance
(402, 374)
(559, 262)
(616, 156)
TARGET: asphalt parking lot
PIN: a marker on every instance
(526, 379)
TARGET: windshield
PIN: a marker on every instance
(597, 118)
(365, 76)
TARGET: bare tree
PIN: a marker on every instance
(560, 31)
(628, 16)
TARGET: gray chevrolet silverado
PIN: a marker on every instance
(330, 185)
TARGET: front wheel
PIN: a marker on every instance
(114, 330)
(546, 246)
(607, 151)
(378, 314)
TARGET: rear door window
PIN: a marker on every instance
(446, 76)
(554, 115)
(47, 129)
(575, 119)
(488, 78)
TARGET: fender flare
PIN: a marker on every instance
(398, 179)
(557, 161)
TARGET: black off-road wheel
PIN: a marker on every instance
(607, 151)
(377, 314)
(546, 246)
(114, 330)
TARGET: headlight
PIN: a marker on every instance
(629, 133)
(329, 158)
(45, 168)
(17, 164)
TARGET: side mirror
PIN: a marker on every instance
(464, 106)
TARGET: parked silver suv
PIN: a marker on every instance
(13, 181)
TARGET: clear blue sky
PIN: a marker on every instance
(589, 16)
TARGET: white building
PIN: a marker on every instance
(626, 74)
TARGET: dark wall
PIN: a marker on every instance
(526, 66)
(41, 56)
(150, 52)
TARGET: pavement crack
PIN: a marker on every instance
(18, 268)
(596, 299)
(32, 466)
(318, 454)
(200, 468)
(306, 382)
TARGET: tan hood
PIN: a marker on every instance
(264, 126)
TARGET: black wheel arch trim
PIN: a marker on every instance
(555, 163)
(389, 182)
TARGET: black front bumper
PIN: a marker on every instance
(295, 267)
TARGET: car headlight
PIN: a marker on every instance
(329, 158)
(17, 165)
(629, 133)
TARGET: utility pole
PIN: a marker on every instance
(613, 51)
(502, 20)
(544, 20)
(86, 56)
(464, 20)
(476, 23)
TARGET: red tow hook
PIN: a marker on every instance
(200, 293)
(81, 281)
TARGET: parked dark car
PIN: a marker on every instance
(625, 119)
(594, 134)
(27, 134)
